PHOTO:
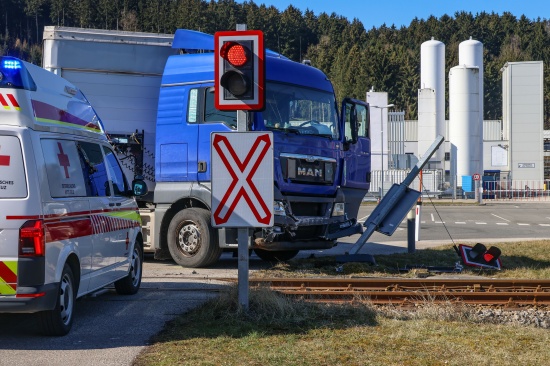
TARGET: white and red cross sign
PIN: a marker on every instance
(242, 179)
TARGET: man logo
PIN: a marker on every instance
(309, 172)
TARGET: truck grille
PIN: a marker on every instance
(308, 168)
(307, 209)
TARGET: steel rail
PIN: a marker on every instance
(509, 292)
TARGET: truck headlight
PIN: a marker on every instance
(279, 208)
(339, 209)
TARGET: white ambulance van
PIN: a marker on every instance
(69, 223)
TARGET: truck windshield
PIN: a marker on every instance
(300, 110)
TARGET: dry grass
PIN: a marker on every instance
(528, 259)
(282, 331)
(278, 330)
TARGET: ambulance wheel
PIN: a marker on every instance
(191, 239)
(59, 320)
(130, 284)
(276, 256)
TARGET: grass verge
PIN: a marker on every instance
(282, 331)
(525, 259)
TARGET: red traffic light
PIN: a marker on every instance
(239, 70)
(235, 53)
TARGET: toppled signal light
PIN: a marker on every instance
(480, 256)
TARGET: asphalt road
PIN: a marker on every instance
(111, 330)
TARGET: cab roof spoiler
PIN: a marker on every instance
(194, 42)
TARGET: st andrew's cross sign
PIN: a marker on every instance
(242, 179)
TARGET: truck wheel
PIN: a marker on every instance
(59, 320)
(276, 256)
(191, 239)
(130, 284)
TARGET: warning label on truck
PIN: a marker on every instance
(12, 172)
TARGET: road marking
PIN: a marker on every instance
(523, 224)
(460, 222)
(481, 223)
(439, 222)
(432, 217)
(544, 224)
(422, 222)
(502, 218)
(502, 223)
(363, 218)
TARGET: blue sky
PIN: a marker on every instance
(374, 13)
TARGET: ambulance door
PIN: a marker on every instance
(123, 210)
(103, 254)
(66, 207)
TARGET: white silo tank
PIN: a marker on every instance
(464, 134)
(470, 53)
(432, 76)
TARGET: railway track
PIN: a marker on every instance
(406, 292)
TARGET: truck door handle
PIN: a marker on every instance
(202, 166)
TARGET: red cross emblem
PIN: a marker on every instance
(242, 173)
(4, 160)
(63, 160)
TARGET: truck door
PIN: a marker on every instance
(211, 120)
(357, 146)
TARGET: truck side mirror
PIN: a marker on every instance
(139, 187)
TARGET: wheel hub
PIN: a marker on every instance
(189, 239)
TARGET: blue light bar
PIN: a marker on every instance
(11, 64)
(14, 74)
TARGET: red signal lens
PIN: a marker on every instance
(235, 53)
(488, 257)
(491, 254)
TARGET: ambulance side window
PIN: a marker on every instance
(63, 168)
(120, 187)
(93, 167)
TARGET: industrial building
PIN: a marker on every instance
(508, 154)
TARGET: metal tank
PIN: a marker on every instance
(470, 53)
(432, 76)
(465, 136)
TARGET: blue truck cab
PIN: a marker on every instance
(322, 158)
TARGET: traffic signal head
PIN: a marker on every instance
(239, 70)
(480, 256)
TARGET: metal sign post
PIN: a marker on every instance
(242, 188)
(392, 209)
(243, 239)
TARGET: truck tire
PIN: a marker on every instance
(59, 320)
(276, 256)
(130, 284)
(191, 239)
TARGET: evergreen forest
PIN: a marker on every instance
(355, 59)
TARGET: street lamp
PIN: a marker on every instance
(382, 146)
